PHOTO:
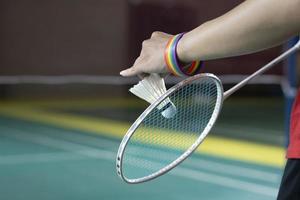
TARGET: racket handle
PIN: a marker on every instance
(262, 70)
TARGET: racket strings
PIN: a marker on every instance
(195, 105)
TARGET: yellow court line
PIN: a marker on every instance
(217, 146)
(90, 124)
(78, 103)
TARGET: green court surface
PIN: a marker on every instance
(66, 150)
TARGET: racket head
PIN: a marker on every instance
(192, 87)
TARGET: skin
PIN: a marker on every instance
(252, 26)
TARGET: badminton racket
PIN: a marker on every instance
(153, 145)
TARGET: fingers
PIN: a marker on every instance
(129, 72)
(134, 70)
(151, 59)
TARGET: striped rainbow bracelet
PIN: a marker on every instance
(172, 60)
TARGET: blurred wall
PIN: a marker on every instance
(99, 37)
(62, 36)
(174, 16)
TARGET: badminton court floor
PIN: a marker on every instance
(48, 151)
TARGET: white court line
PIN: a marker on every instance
(54, 143)
(225, 182)
(213, 166)
(118, 80)
(210, 178)
(38, 158)
(195, 162)
(47, 157)
(108, 155)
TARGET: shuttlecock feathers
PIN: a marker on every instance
(150, 89)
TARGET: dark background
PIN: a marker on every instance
(100, 37)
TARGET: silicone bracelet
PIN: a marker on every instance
(172, 60)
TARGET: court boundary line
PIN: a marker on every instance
(205, 164)
(38, 158)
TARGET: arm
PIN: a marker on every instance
(252, 26)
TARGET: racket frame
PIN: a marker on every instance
(191, 149)
(221, 97)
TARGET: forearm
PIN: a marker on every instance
(252, 26)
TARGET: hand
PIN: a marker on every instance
(151, 59)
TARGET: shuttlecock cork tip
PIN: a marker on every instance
(170, 111)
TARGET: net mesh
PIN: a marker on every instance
(158, 141)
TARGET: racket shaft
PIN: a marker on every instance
(262, 70)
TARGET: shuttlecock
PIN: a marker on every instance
(150, 89)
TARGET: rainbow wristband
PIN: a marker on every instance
(172, 60)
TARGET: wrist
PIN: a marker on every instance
(182, 50)
(174, 64)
